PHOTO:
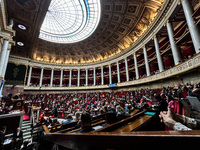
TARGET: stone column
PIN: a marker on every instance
(174, 47)
(51, 81)
(70, 77)
(41, 76)
(110, 74)
(146, 61)
(78, 80)
(159, 57)
(94, 76)
(3, 56)
(193, 28)
(61, 77)
(118, 73)
(86, 77)
(5, 63)
(29, 76)
(136, 66)
(126, 66)
(102, 78)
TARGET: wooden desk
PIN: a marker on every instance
(135, 111)
(135, 124)
(116, 125)
(127, 140)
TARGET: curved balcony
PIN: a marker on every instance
(189, 64)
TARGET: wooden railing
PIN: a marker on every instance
(126, 140)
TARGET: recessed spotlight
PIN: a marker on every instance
(20, 43)
(22, 27)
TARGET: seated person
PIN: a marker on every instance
(1, 111)
(121, 114)
(18, 138)
(178, 122)
(85, 123)
(111, 117)
(68, 120)
(8, 109)
(2, 136)
(162, 105)
(55, 122)
(48, 121)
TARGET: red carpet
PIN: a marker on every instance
(26, 117)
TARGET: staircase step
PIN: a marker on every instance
(26, 121)
(27, 129)
(27, 137)
(27, 133)
(27, 126)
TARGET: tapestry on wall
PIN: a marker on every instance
(15, 74)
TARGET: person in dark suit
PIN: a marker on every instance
(55, 112)
(2, 136)
(18, 138)
(85, 123)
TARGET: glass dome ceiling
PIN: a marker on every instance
(70, 21)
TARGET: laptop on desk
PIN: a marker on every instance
(195, 103)
(192, 112)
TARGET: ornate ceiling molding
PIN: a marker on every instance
(6, 32)
(122, 24)
(158, 23)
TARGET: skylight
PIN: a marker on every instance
(70, 21)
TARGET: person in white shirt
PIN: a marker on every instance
(178, 122)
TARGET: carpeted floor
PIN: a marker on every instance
(26, 117)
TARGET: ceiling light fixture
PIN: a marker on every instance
(20, 43)
(22, 27)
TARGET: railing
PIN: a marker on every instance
(189, 64)
(126, 140)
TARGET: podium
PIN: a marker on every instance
(35, 113)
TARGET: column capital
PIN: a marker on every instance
(61, 69)
(101, 67)
(154, 37)
(52, 68)
(180, 1)
(125, 58)
(86, 68)
(165, 24)
(144, 46)
(6, 38)
(42, 68)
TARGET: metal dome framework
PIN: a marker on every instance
(70, 21)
